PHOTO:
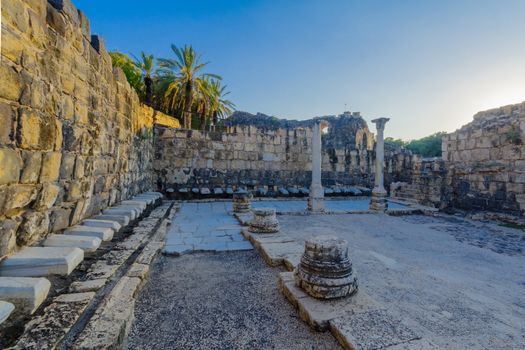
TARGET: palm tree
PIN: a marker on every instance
(146, 65)
(184, 72)
(220, 107)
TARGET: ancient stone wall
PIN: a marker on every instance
(485, 160)
(251, 157)
(74, 137)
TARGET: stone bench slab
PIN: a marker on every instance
(26, 293)
(42, 261)
(112, 224)
(135, 208)
(103, 233)
(123, 220)
(86, 243)
(140, 203)
(121, 211)
(5, 310)
(148, 200)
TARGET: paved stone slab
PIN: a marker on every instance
(239, 245)
(86, 243)
(42, 261)
(132, 214)
(317, 313)
(5, 310)
(87, 286)
(25, 293)
(275, 253)
(103, 233)
(373, 329)
(112, 224)
(123, 220)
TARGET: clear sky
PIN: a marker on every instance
(429, 65)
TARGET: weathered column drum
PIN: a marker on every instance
(325, 270)
(242, 201)
(264, 221)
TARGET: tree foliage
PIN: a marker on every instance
(178, 86)
(429, 146)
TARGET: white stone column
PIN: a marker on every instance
(316, 197)
(378, 200)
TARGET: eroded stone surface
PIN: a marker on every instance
(114, 225)
(264, 221)
(103, 233)
(242, 201)
(86, 243)
(325, 271)
(5, 310)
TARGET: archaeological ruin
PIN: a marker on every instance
(95, 185)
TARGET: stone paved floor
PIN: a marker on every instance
(332, 205)
(205, 227)
(226, 300)
(460, 284)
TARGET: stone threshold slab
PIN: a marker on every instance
(357, 322)
(86, 243)
(26, 293)
(42, 261)
(112, 224)
(103, 233)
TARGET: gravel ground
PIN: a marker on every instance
(218, 301)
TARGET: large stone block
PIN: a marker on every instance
(48, 196)
(31, 168)
(50, 167)
(26, 293)
(16, 196)
(104, 233)
(10, 166)
(12, 84)
(86, 243)
(8, 229)
(34, 225)
(36, 131)
(59, 219)
(8, 119)
(41, 261)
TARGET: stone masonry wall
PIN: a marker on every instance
(485, 160)
(73, 136)
(250, 157)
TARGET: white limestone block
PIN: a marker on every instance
(86, 243)
(26, 293)
(120, 211)
(123, 220)
(5, 310)
(103, 233)
(138, 210)
(114, 225)
(42, 261)
(148, 200)
(135, 202)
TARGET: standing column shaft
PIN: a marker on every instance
(316, 197)
(378, 200)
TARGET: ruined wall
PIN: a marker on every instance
(485, 160)
(253, 157)
(73, 136)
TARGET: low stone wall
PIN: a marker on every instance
(252, 158)
(74, 136)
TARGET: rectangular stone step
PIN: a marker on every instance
(138, 210)
(157, 194)
(112, 224)
(26, 293)
(120, 211)
(5, 310)
(147, 199)
(87, 243)
(104, 233)
(42, 261)
(123, 220)
(139, 203)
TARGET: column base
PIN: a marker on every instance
(316, 199)
(378, 201)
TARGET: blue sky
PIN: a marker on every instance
(429, 65)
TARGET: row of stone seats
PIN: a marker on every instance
(206, 192)
(22, 276)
